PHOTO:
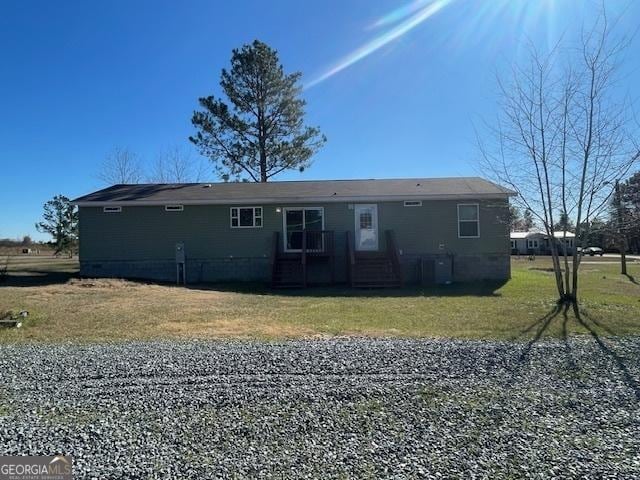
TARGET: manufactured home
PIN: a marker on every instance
(363, 232)
(535, 242)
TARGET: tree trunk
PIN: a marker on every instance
(262, 132)
(567, 275)
(623, 256)
(557, 269)
(263, 164)
(574, 277)
(622, 240)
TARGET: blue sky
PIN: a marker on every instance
(79, 78)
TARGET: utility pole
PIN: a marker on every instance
(622, 238)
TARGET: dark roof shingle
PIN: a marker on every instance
(296, 191)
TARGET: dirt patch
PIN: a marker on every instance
(102, 283)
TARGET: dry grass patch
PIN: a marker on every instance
(66, 308)
(111, 309)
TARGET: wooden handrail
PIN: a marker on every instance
(392, 253)
(274, 255)
(316, 241)
(303, 258)
(274, 248)
(351, 258)
(304, 247)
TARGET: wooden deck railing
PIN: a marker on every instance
(351, 258)
(301, 246)
(393, 254)
(312, 242)
(274, 255)
(303, 259)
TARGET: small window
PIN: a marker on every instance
(513, 244)
(112, 209)
(468, 220)
(174, 208)
(413, 203)
(532, 243)
(366, 221)
(246, 217)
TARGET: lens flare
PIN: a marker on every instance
(406, 26)
(490, 25)
(400, 13)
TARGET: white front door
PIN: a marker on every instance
(366, 227)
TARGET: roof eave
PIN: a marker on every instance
(281, 200)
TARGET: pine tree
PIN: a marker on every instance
(261, 131)
(60, 220)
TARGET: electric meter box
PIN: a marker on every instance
(180, 256)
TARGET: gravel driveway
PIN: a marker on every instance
(328, 409)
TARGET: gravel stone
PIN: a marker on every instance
(348, 408)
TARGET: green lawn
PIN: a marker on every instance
(64, 308)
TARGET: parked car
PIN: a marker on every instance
(591, 251)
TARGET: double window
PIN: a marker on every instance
(246, 217)
(532, 243)
(468, 220)
(297, 220)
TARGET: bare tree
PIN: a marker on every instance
(121, 166)
(176, 166)
(562, 140)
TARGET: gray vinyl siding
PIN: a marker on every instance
(150, 233)
(146, 235)
(423, 229)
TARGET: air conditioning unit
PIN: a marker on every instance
(436, 270)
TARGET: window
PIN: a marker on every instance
(366, 220)
(514, 244)
(174, 208)
(112, 209)
(532, 243)
(297, 220)
(246, 217)
(468, 220)
(413, 203)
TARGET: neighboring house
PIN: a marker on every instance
(535, 242)
(366, 232)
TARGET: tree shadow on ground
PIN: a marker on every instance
(591, 325)
(585, 320)
(632, 279)
(571, 362)
(540, 325)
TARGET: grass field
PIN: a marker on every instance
(65, 308)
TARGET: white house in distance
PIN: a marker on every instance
(535, 242)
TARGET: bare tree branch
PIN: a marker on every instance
(120, 166)
(563, 139)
